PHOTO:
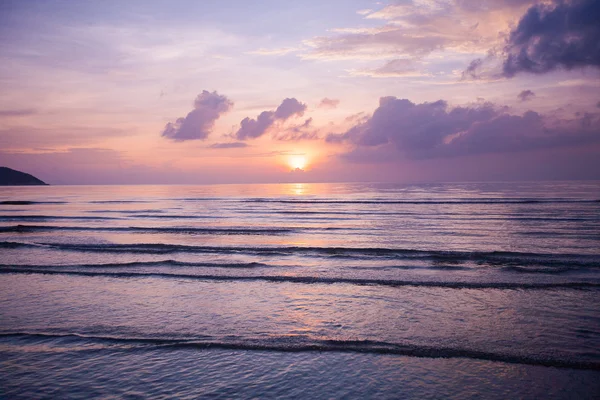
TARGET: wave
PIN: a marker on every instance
(206, 231)
(315, 280)
(422, 202)
(438, 216)
(171, 216)
(207, 199)
(494, 258)
(127, 211)
(538, 270)
(119, 201)
(53, 217)
(329, 201)
(28, 202)
(16, 245)
(161, 263)
(379, 268)
(298, 344)
(413, 267)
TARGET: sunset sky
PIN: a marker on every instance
(225, 91)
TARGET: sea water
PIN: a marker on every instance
(463, 290)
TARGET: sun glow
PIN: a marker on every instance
(297, 162)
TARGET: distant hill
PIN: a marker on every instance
(11, 177)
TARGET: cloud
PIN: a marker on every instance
(417, 28)
(18, 112)
(392, 69)
(400, 128)
(328, 103)
(549, 37)
(288, 108)
(304, 131)
(252, 128)
(526, 95)
(199, 122)
(232, 145)
(473, 70)
(31, 137)
(374, 43)
(274, 52)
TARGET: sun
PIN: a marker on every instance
(297, 162)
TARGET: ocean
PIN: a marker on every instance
(457, 290)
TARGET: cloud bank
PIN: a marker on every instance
(199, 122)
(400, 128)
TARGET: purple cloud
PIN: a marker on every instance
(199, 122)
(289, 107)
(565, 35)
(549, 37)
(18, 112)
(400, 128)
(526, 95)
(473, 69)
(252, 128)
(329, 103)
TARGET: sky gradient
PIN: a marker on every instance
(231, 91)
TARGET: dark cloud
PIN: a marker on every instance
(252, 128)
(232, 145)
(329, 103)
(199, 122)
(473, 70)
(526, 95)
(548, 37)
(400, 128)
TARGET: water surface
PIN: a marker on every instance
(302, 290)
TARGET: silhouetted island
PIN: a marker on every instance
(11, 177)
